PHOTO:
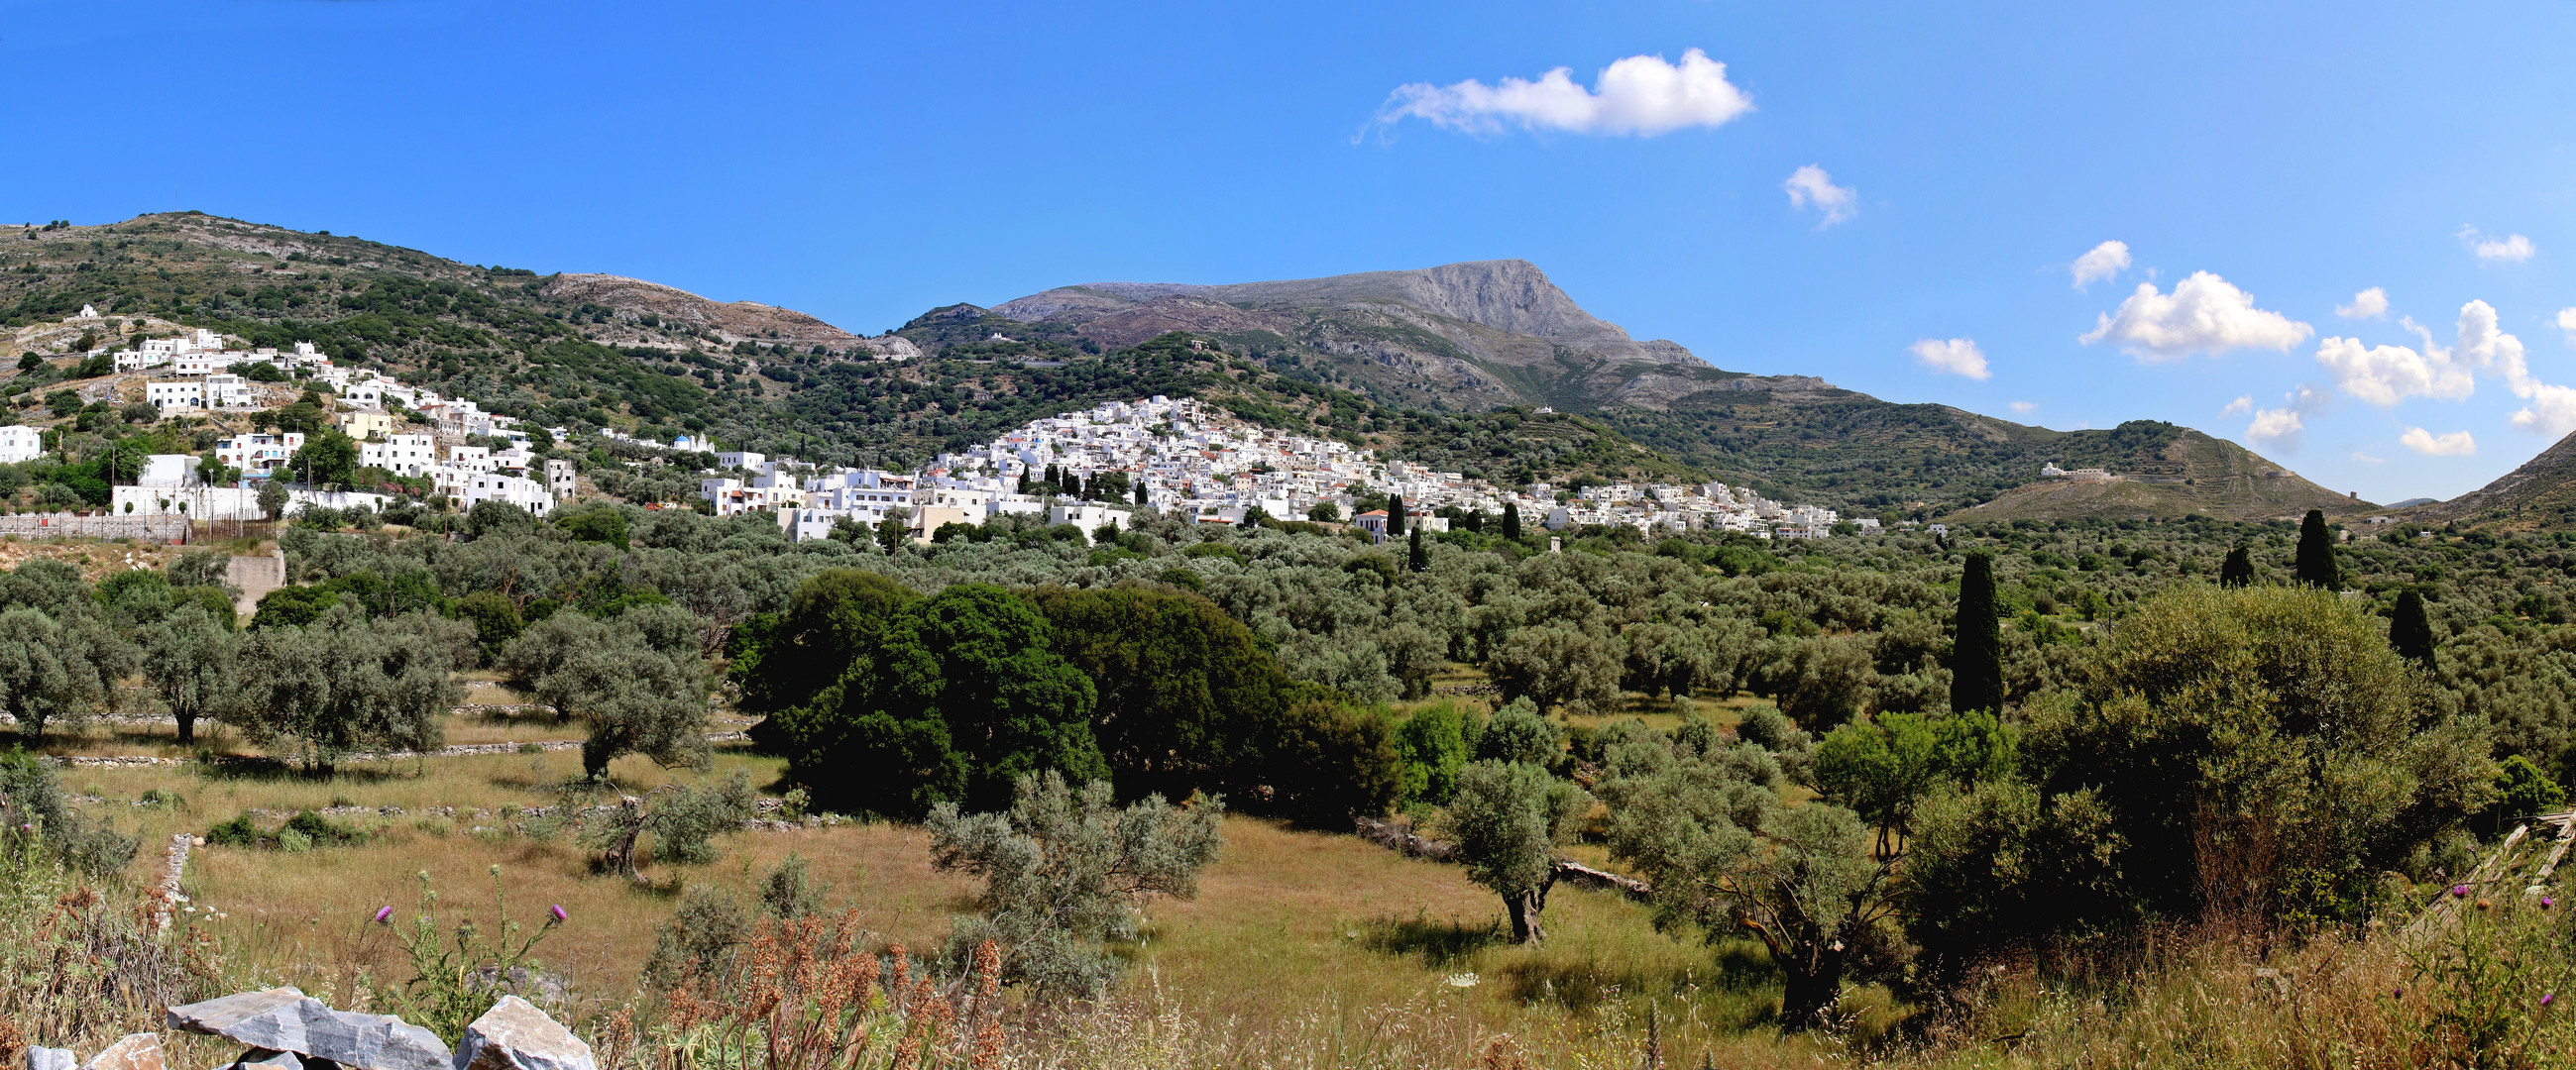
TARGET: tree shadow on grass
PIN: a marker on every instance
(1739, 969)
(261, 769)
(1438, 942)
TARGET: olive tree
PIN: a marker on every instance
(1507, 818)
(608, 675)
(344, 683)
(1724, 854)
(58, 671)
(1557, 665)
(189, 659)
(1067, 869)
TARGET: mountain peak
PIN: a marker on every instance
(1511, 296)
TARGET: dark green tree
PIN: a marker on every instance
(1394, 515)
(1976, 640)
(2238, 569)
(1512, 521)
(1178, 683)
(962, 695)
(833, 619)
(1416, 559)
(2316, 553)
(2410, 632)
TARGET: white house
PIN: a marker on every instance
(739, 459)
(408, 455)
(258, 452)
(231, 393)
(1088, 517)
(175, 397)
(527, 494)
(19, 442)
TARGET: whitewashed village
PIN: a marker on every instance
(1175, 457)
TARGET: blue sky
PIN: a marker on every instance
(867, 162)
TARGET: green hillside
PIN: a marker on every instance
(1455, 367)
(595, 351)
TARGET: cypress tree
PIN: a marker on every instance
(1054, 478)
(2316, 553)
(2410, 632)
(1417, 560)
(1140, 493)
(1976, 641)
(1512, 521)
(1073, 486)
(1394, 515)
(2238, 570)
(1024, 480)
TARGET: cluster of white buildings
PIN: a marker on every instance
(1180, 458)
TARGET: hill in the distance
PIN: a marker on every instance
(1477, 335)
(2540, 494)
(1448, 366)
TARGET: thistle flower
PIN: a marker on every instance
(2547, 902)
(2459, 891)
(2483, 903)
(559, 915)
(385, 915)
(2548, 999)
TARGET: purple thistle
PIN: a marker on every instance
(383, 916)
(2460, 891)
(2549, 999)
(559, 915)
(2547, 902)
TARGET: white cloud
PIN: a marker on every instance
(2567, 322)
(2455, 444)
(1958, 356)
(1640, 95)
(2204, 314)
(2025, 408)
(2243, 404)
(2103, 261)
(2281, 426)
(2276, 427)
(2365, 458)
(2385, 375)
(1811, 185)
(2511, 249)
(2369, 304)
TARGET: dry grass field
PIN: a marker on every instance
(1294, 934)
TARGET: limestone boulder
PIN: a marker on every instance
(50, 1059)
(515, 1035)
(134, 1051)
(287, 1020)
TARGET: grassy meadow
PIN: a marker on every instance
(1296, 939)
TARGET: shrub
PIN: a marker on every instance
(1065, 870)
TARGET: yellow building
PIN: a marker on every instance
(361, 424)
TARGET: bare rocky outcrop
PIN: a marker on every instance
(730, 321)
(1511, 296)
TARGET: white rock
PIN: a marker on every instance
(50, 1059)
(134, 1051)
(515, 1035)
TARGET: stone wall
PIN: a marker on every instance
(169, 529)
